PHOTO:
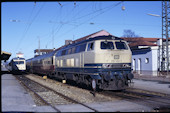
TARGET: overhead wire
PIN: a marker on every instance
(110, 7)
(105, 8)
(56, 28)
(29, 25)
(26, 28)
(60, 25)
(24, 34)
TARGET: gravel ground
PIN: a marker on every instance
(81, 95)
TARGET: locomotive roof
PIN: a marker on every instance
(110, 37)
(18, 58)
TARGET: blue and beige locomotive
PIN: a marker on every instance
(102, 62)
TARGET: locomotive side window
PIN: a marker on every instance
(58, 53)
(77, 49)
(63, 52)
(121, 45)
(90, 47)
(106, 45)
(73, 50)
(80, 48)
(69, 51)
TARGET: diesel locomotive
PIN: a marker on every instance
(102, 62)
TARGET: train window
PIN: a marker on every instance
(66, 52)
(73, 50)
(18, 62)
(63, 52)
(77, 49)
(90, 46)
(107, 45)
(40, 61)
(121, 45)
(21, 62)
(59, 53)
(69, 51)
(82, 47)
(49, 62)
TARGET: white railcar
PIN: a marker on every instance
(17, 65)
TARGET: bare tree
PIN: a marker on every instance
(127, 33)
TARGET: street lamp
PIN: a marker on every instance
(14, 20)
(153, 15)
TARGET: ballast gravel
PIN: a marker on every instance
(78, 94)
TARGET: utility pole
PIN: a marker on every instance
(39, 46)
(53, 38)
(165, 35)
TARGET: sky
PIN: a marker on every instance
(25, 24)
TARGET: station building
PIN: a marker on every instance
(146, 55)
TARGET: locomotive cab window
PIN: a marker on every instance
(18, 62)
(121, 45)
(90, 46)
(107, 45)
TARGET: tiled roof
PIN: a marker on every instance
(99, 33)
(142, 43)
(134, 39)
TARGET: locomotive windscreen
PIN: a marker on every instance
(121, 45)
(107, 45)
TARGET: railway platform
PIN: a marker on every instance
(15, 98)
(150, 77)
(152, 83)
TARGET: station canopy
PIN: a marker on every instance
(5, 55)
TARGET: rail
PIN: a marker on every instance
(60, 94)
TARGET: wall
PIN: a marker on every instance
(142, 54)
(154, 58)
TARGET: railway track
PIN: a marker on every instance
(158, 101)
(38, 89)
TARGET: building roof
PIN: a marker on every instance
(99, 33)
(5, 55)
(142, 43)
(134, 39)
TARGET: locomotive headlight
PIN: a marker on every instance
(126, 65)
(104, 65)
(107, 65)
